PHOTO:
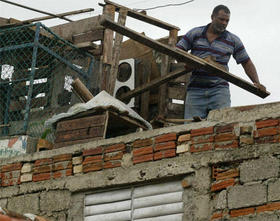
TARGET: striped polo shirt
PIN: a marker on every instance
(221, 48)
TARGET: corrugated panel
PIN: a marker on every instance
(157, 202)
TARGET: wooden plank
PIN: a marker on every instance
(177, 92)
(80, 123)
(154, 83)
(189, 59)
(93, 35)
(79, 134)
(109, 12)
(116, 52)
(67, 30)
(145, 97)
(142, 17)
(175, 108)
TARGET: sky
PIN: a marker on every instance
(256, 22)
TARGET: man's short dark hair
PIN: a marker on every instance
(219, 8)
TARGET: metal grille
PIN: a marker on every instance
(36, 70)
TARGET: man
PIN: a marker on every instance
(206, 91)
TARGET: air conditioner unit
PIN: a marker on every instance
(125, 81)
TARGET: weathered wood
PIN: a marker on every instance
(177, 92)
(67, 30)
(142, 17)
(154, 83)
(175, 108)
(87, 45)
(80, 134)
(165, 66)
(189, 59)
(81, 90)
(145, 97)
(109, 12)
(116, 52)
(93, 35)
(67, 125)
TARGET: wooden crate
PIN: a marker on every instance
(88, 127)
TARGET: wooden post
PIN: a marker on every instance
(165, 66)
(116, 52)
(81, 90)
(145, 97)
(109, 12)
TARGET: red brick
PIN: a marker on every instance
(164, 154)
(225, 137)
(222, 185)
(92, 167)
(242, 212)
(202, 131)
(62, 173)
(225, 145)
(11, 167)
(267, 123)
(92, 159)
(218, 215)
(112, 164)
(93, 151)
(113, 156)
(142, 151)
(185, 137)
(41, 176)
(42, 169)
(201, 147)
(224, 128)
(269, 139)
(266, 132)
(142, 143)
(231, 173)
(10, 182)
(62, 157)
(166, 145)
(114, 148)
(10, 175)
(166, 137)
(45, 161)
(268, 207)
(143, 158)
(203, 139)
(62, 165)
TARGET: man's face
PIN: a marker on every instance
(220, 21)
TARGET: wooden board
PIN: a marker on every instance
(189, 59)
(143, 17)
(94, 35)
(67, 30)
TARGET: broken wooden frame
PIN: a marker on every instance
(190, 60)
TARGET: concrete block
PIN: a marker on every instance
(28, 203)
(77, 160)
(55, 201)
(3, 203)
(247, 196)
(26, 168)
(183, 148)
(273, 191)
(27, 177)
(78, 169)
(220, 201)
(259, 169)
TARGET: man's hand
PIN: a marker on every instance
(260, 86)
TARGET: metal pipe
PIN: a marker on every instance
(36, 10)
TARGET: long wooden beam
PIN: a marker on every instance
(143, 17)
(182, 56)
(155, 83)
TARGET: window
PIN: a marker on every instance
(156, 202)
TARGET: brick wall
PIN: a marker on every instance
(231, 168)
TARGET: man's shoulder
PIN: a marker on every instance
(197, 30)
(232, 36)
